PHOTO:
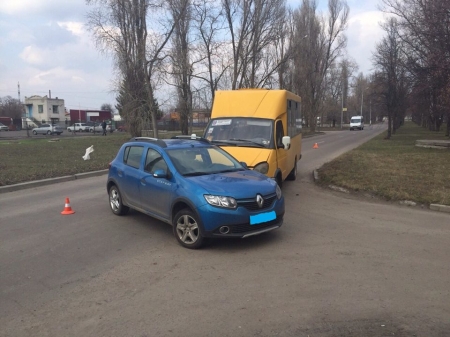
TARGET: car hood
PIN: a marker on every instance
(240, 184)
(250, 155)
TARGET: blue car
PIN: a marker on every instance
(197, 187)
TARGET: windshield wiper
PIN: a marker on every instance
(193, 174)
(247, 141)
(231, 170)
(218, 142)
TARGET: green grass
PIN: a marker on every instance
(395, 169)
(35, 159)
(41, 158)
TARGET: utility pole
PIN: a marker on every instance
(342, 108)
(362, 99)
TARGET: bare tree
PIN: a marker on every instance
(210, 55)
(108, 106)
(121, 28)
(180, 56)
(11, 107)
(319, 42)
(253, 26)
(424, 28)
(391, 75)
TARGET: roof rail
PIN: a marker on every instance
(192, 137)
(149, 139)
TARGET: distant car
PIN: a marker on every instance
(3, 127)
(98, 128)
(122, 128)
(78, 127)
(356, 122)
(48, 129)
(198, 188)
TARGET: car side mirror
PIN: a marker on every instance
(286, 142)
(244, 164)
(160, 173)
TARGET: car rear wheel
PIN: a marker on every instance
(115, 201)
(187, 230)
(34, 133)
(49, 132)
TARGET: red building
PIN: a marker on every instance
(89, 115)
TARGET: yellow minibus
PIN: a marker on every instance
(260, 127)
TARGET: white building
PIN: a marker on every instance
(45, 109)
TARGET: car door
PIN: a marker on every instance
(131, 175)
(281, 152)
(45, 128)
(156, 193)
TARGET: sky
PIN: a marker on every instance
(46, 48)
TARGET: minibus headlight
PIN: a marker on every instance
(219, 201)
(262, 168)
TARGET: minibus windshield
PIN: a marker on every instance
(254, 131)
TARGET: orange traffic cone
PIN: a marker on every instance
(67, 208)
(316, 146)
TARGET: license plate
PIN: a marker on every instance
(263, 217)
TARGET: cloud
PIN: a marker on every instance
(32, 55)
(363, 33)
(48, 9)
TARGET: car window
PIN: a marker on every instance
(279, 134)
(132, 156)
(198, 161)
(154, 161)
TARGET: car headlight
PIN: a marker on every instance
(278, 192)
(262, 168)
(219, 201)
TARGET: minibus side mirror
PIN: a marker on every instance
(286, 142)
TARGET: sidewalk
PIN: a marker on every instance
(44, 182)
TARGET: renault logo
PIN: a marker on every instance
(259, 200)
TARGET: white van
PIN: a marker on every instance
(357, 122)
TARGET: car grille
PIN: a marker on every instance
(244, 228)
(252, 205)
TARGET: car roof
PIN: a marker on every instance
(177, 142)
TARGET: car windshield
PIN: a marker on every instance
(201, 161)
(355, 120)
(244, 131)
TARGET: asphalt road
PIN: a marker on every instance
(341, 265)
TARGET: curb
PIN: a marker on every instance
(433, 207)
(50, 181)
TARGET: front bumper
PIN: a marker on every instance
(237, 221)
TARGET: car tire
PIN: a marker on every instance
(34, 133)
(293, 174)
(49, 132)
(115, 201)
(187, 229)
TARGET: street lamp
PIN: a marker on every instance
(362, 100)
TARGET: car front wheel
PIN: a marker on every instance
(34, 133)
(187, 230)
(115, 201)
